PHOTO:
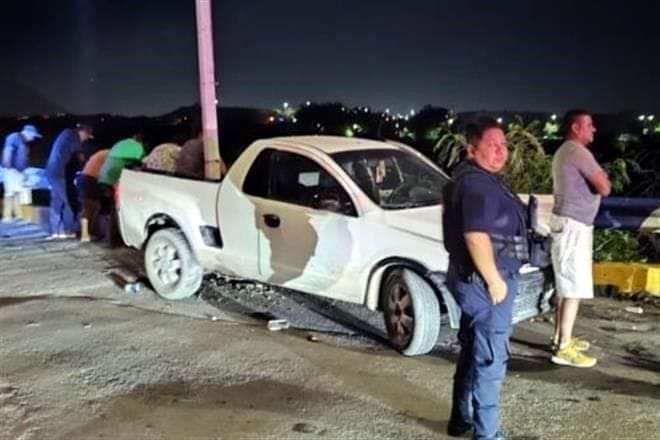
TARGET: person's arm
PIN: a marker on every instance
(600, 181)
(593, 173)
(480, 248)
(7, 153)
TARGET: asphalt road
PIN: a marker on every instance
(82, 359)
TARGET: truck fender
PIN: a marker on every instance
(438, 280)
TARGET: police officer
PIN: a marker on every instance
(483, 224)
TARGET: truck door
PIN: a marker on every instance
(306, 227)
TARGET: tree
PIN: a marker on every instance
(529, 168)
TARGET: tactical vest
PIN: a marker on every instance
(510, 246)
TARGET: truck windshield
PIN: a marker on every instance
(393, 179)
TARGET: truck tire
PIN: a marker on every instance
(172, 268)
(411, 311)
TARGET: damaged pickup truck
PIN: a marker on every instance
(343, 218)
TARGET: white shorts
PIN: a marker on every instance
(572, 257)
(12, 180)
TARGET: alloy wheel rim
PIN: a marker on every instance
(167, 264)
(400, 310)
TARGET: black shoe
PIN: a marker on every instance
(457, 428)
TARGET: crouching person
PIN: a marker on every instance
(90, 197)
(483, 227)
(127, 152)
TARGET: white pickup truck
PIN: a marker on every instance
(343, 218)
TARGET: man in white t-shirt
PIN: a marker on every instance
(579, 182)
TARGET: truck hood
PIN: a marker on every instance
(425, 221)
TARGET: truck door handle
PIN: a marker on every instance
(272, 220)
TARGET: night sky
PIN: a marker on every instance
(139, 56)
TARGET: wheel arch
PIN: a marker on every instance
(160, 221)
(436, 280)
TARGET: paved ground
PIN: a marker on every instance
(82, 359)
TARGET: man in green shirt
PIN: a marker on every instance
(124, 153)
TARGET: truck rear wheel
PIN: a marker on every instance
(172, 269)
(411, 311)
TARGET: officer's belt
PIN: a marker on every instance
(512, 246)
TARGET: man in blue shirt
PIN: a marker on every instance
(483, 224)
(67, 147)
(14, 161)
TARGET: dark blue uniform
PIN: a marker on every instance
(62, 216)
(476, 201)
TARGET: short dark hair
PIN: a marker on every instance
(570, 118)
(476, 129)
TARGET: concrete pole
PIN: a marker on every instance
(213, 165)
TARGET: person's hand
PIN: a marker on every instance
(498, 290)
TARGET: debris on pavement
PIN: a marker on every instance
(638, 310)
(134, 288)
(278, 324)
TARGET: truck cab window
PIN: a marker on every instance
(301, 181)
(256, 181)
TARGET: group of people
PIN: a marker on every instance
(481, 220)
(87, 179)
(484, 222)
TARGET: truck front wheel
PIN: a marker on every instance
(172, 268)
(411, 311)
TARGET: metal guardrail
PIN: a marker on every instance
(629, 213)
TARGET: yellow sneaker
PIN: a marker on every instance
(579, 344)
(572, 357)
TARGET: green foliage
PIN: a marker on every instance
(529, 168)
(619, 175)
(449, 146)
(617, 245)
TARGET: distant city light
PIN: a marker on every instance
(500, 120)
(396, 125)
(366, 109)
(308, 103)
(349, 132)
(412, 112)
(641, 117)
(450, 121)
(387, 110)
(271, 119)
(285, 105)
(553, 117)
(650, 117)
(294, 120)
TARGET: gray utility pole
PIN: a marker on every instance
(213, 165)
